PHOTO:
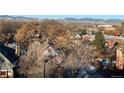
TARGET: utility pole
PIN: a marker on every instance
(45, 68)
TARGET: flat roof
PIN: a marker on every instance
(109, 37)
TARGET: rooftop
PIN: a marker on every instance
(4, 62)
(109, 37)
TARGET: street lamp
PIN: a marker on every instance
(45, 67)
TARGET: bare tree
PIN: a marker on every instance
(8, 30)
(58, 34)
(31, 64)
(80, 57)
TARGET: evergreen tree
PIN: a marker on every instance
(83, 32)
(99, 41)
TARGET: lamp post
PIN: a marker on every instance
(45, 67)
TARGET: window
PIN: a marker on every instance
(1, 61)
(49, 50)
(3, 73)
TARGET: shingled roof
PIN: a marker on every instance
(9, 53)
(4, 62)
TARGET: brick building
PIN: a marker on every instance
(111, 40)
(119, 59)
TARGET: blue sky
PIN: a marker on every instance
(75, 16)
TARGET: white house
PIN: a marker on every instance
(50, 52)
(6, 67)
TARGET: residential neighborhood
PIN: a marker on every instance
(66, 48)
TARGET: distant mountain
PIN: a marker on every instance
(83, 19)
(92, 20)
(72, 20)
(6, 17)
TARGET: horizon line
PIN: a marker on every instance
(105, 17)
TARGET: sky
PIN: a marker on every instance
(74, 16)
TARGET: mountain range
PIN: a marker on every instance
(6, 17)
(81, 20)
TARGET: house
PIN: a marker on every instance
(77, 36)
(111, 40)
(104, 25)
(7, 61)
(88, 37)
(50, 52)
(119, 59)
(6, 67)
(8, 52)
